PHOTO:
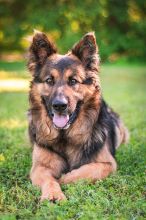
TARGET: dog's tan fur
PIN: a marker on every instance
(48, 167)
(61, 159)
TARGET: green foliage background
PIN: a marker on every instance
(120, 25)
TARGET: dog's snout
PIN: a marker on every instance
(59, 105)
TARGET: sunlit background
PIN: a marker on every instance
(120, 28)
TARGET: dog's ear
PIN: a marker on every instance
(87, 51)
(39, 50)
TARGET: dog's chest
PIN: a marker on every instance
(71, 154)
(74, 156)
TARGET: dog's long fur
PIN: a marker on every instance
(86, 149)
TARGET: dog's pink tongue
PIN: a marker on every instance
(60, 120)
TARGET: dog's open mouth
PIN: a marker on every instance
(61, 121)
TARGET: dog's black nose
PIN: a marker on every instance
(59, 105)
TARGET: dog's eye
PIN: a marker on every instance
(72, 82)
(50, 81)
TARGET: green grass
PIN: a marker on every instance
(121, 196)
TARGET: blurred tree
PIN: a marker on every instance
(120, 26)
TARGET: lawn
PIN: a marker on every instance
(121, 196)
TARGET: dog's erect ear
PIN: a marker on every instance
(39, 50)
(87, 51)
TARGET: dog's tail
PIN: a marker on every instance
(123, 134)
(126, 135)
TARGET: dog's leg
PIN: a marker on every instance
(49, 186)
(101, 168)
(92, 171)
(47, 167)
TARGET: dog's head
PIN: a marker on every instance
(64, 83)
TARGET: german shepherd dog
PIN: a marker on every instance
(73, 132)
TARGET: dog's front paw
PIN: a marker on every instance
(53, 196)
